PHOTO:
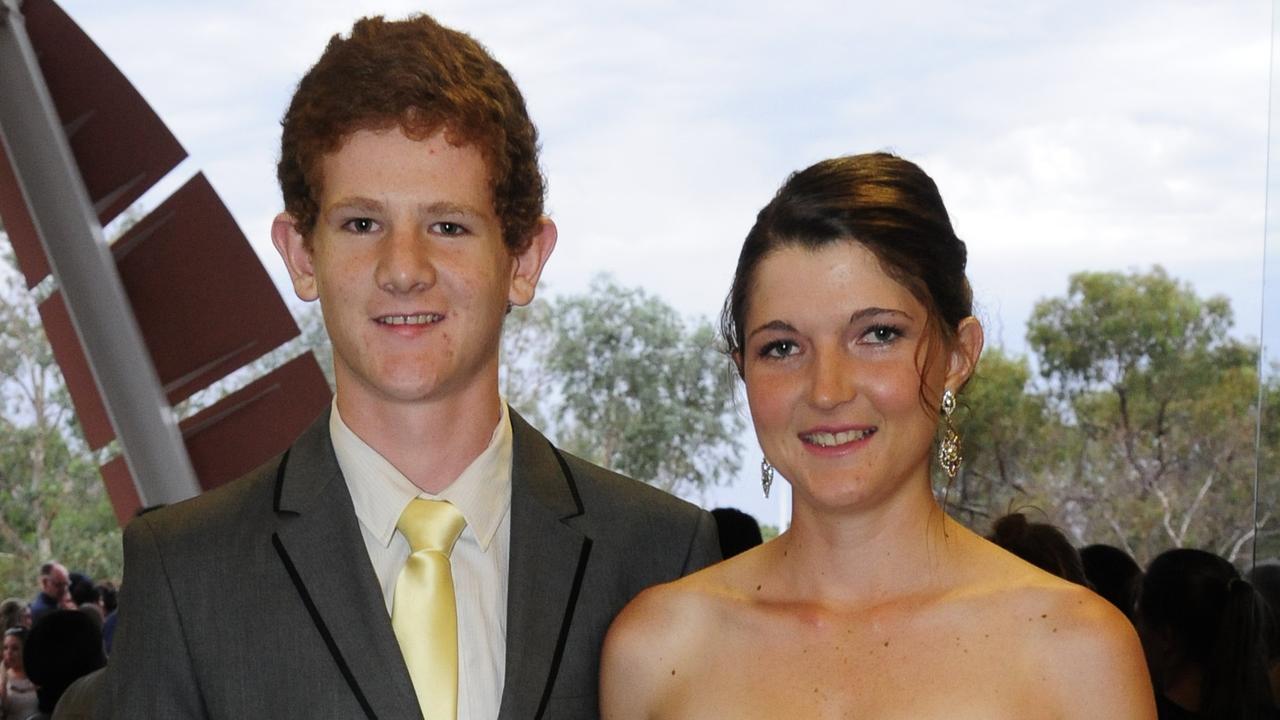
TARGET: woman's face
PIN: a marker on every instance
(12, 656)
(832, 362)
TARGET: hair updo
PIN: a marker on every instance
(878, 200)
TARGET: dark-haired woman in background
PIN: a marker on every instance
(1040, 544)
(1202, 627)
(850, 322)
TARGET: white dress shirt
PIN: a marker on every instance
(479, 560)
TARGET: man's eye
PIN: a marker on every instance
(449, 228)
(360, 226)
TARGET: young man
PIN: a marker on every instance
(414, 215)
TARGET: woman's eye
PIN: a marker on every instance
(449, 228)
(778, 349)
(361, 226)
(882, 334)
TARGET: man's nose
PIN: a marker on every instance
(405, 262)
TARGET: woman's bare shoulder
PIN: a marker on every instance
(660, 638)
(1071, 641)
(680, 611)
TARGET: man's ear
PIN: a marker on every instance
(297, 257)
(528, 264)
(964, 355)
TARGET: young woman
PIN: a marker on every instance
(17, 693)
(850, 322)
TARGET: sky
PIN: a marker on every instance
(1064, 136)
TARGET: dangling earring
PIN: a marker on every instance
(949, 449)
(766, 476)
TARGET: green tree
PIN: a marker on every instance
(1010, 443)
(1268, 499)
(1162, 403)
(621, 379)
(54, 504)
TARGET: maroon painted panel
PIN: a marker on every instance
(19, 225)
(205, 304)
(124, 496)
(75, 370)
(255, 423)
(238, 433)
(192, 281)
(120, 144)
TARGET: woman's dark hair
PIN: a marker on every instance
(738, 531)
(11, 611)
(1265, 578)
(1114, 575)
(880, 201)
(107, 591)
(1040, 544)
(62, 647)
(83, 590)
(1214, 620)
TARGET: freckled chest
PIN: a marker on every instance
(792, 661)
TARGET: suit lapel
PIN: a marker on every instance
(547, 561)
(319, 542)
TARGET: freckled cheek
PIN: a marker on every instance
(895, 394)
(772, 400)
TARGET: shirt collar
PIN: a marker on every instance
(380, 492)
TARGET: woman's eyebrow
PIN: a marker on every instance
(779, 325)
(873, 311)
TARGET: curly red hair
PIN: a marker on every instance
(423, 77)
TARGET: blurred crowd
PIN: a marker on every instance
(54, 645)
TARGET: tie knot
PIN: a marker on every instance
(431, 525)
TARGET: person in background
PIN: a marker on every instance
(738, 531)
(1265, 578)
(54, 592)
(1202, 628)
(1040, 544)
(83, 591)
(1114, 575)
(64, 646)
(107, 594)
(14, 613)
(17, 692)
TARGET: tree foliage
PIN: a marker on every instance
(1142, 433)
(1010, 440)
(618, 377)
(54, 504)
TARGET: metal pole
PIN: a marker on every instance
(81, 262)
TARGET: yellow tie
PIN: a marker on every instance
(424, 613)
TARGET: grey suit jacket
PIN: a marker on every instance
(258, 599)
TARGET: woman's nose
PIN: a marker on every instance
(832, 379)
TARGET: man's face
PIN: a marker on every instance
(408, 263)
(55, 584)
